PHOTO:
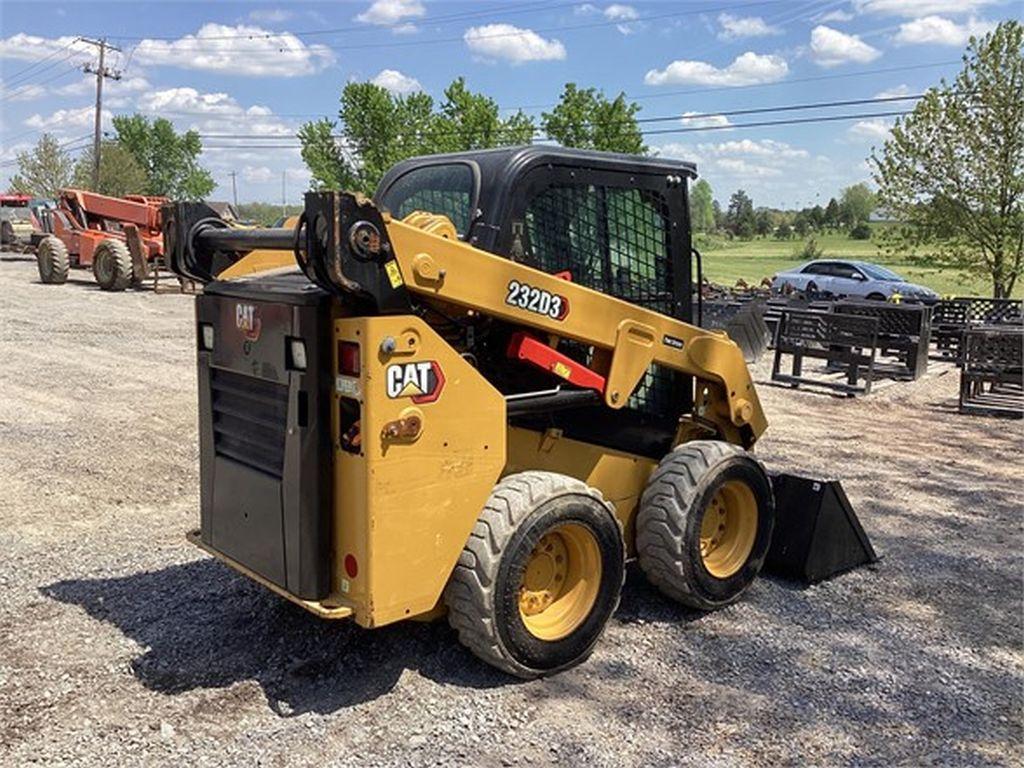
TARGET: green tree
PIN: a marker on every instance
(952, 171)
(702, 208)
(716, 208)
(470, 120)
(323, 156)
(585, 118)
(43, 170)
(816, 217)
(265, 214)
(783, 232)
(857, 203)
(831, 218)
(802, 224)
(377, 129)
(763, 222)
(171, 162)
(120, 173)
(740, 215)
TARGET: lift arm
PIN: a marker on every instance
(347, 246)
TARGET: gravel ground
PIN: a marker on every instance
(121, 644)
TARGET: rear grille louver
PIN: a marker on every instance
(249, 420)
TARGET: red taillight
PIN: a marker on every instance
(348, 358)
(351, 566)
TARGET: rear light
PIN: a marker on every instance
(297, 354)
(206, 336)
(351, 566)
(348, 358)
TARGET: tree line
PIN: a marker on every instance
(850, 213)
(145, 157)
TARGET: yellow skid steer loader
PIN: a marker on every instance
(479, 394)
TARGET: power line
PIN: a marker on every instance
(632, 97)
(25, 86)
(40, 61)
(658, 119)
(193, 46)
(659, 132)
(27, 78)
(517, 8)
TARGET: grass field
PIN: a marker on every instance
(726, 261)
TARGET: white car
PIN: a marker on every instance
(834, 277)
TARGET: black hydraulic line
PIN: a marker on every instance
(550, 400)
(212, 238)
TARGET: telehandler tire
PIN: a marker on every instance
(112, 265)
(52, 260)
(540, 575)
(705, 523)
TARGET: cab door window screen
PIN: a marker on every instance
(448, 190)
(614, 240)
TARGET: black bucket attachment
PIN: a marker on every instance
(817, 533)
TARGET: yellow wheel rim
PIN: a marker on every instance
(561, 582)
(728, 529)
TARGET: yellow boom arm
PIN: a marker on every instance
(627, 338)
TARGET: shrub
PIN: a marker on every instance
(810, 251)
(861, 232)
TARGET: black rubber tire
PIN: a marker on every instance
(812, 288)
(875, 297)
(52, 260)
(672, 509)
(112, 265)
(482, 593)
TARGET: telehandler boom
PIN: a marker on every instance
(480, 393)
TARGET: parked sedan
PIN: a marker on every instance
(849, 278)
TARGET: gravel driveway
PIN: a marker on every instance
(121, 644)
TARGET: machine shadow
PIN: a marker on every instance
(202, 626)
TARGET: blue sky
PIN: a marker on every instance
(264, 68)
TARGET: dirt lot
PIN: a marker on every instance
(121, 644)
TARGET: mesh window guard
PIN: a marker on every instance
(614, 240)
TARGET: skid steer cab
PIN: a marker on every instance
(478, 394)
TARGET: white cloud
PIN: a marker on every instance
(387, 13)
(691, 120)
(739, 166)
(737, 27)
(270, 15)
(28, 92)
(876, 129)
(64, 119)
(625, 14)
(33, 48)
(259, 174)
(830, 48)
(237, 50)
(213, 111)
(914, 8)
(514, 44)
(111, 88)
(937, 30)
(837, 15)
(898, 90)
(396, 82)
(766, 148)
(748, 69)
(742, 159)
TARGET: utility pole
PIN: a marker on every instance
(101, 72)
(284, 205)
(234, 189)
